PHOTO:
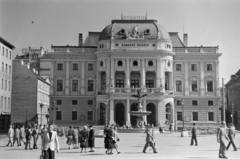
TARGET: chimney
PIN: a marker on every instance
(80, 40)
(185, 39)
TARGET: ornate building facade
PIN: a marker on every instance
(129, 55)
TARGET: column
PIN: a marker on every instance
(158, 82)
(108, 75)
(112, 73)
(161, 112)
(144, 109)
(217, 89)
(127, 76)
(172, 112)
(52, 79)
(143, 74)
(127, 114)
(162, 75)
(67, 78)
(171, 86)
(111, 119)
(202, 86)
(186, 79)
(83, 78)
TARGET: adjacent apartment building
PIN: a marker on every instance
(6, 49)
(181, 81)
(233, 100)
(30, 95)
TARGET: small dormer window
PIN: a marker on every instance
(135, 63)
(120, 63)
(122, 31)
(147, 32)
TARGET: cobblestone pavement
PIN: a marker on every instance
(131, 146)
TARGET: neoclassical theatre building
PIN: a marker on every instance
(181, 81)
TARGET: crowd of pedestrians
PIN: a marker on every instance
(83, 138)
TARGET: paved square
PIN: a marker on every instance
(131, 146)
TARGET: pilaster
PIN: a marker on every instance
(127, 113)
(143, 74)
(67, 78)
(111, 120)
(202, 86)
(217, 89)
(83, 78)
(52, 92)
(186, 79)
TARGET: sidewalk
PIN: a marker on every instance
(169, 146)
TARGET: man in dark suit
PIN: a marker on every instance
(231, 136)
(150, 139)
(194, 135)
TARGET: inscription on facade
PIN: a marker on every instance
(135, 45)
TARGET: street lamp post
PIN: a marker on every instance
(41, 106)
(106, 106)
(182, 102)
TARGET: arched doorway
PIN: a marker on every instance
(119, 114)
(168, 113)
(151, 119)
(134, 118)
(102, 114)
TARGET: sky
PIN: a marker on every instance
(44, 23)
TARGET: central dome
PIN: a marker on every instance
(134, 29)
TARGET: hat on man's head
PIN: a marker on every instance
(223, 122)
(90, 126)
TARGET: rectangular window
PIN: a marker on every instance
(6, 68)
(8, 102)
(5, 102)
(179, 102)
(134, 83)
(74, 102)
(90, 85)
(59, 102)
(119, 83)
(5, 84)
(9, 86)
(2, 84)
(59, 115)
(210, 116)
(210, 103)
(75, 66)
(9, 70)
(194, 102)
(179, 86)
(3, 51)
(90, 66)
(179, 116)
(74, 115)
(210, 86)
(59, 66)
(90, 115)
(195, 116)
(90, 102)
(209, 67)
(6, 53)
(1, 101)
(150, 83)
(194, 86)
(74, 85)
(193, 67)
(178, 67)
(2, 67)
(59, 85)
(10, 55)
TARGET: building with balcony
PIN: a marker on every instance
(127, 55)
(30, 95)
(6, 49)
(233, 100)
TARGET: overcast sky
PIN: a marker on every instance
(38, 23)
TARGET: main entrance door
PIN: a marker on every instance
(102, 114)
(119, 114)
(151, 119)
(134, 118)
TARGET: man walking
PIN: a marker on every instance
(16, 136)
(50, 143)
(35, 137)
(231, 136)
(28, 138)
(10, 136)
(150, 139)
(222, 138)
(194, 135)
(22, 135)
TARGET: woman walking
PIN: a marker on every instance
(91, 140)
(106, 143)
(70, 137)
(84, 138)
(114, 140)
